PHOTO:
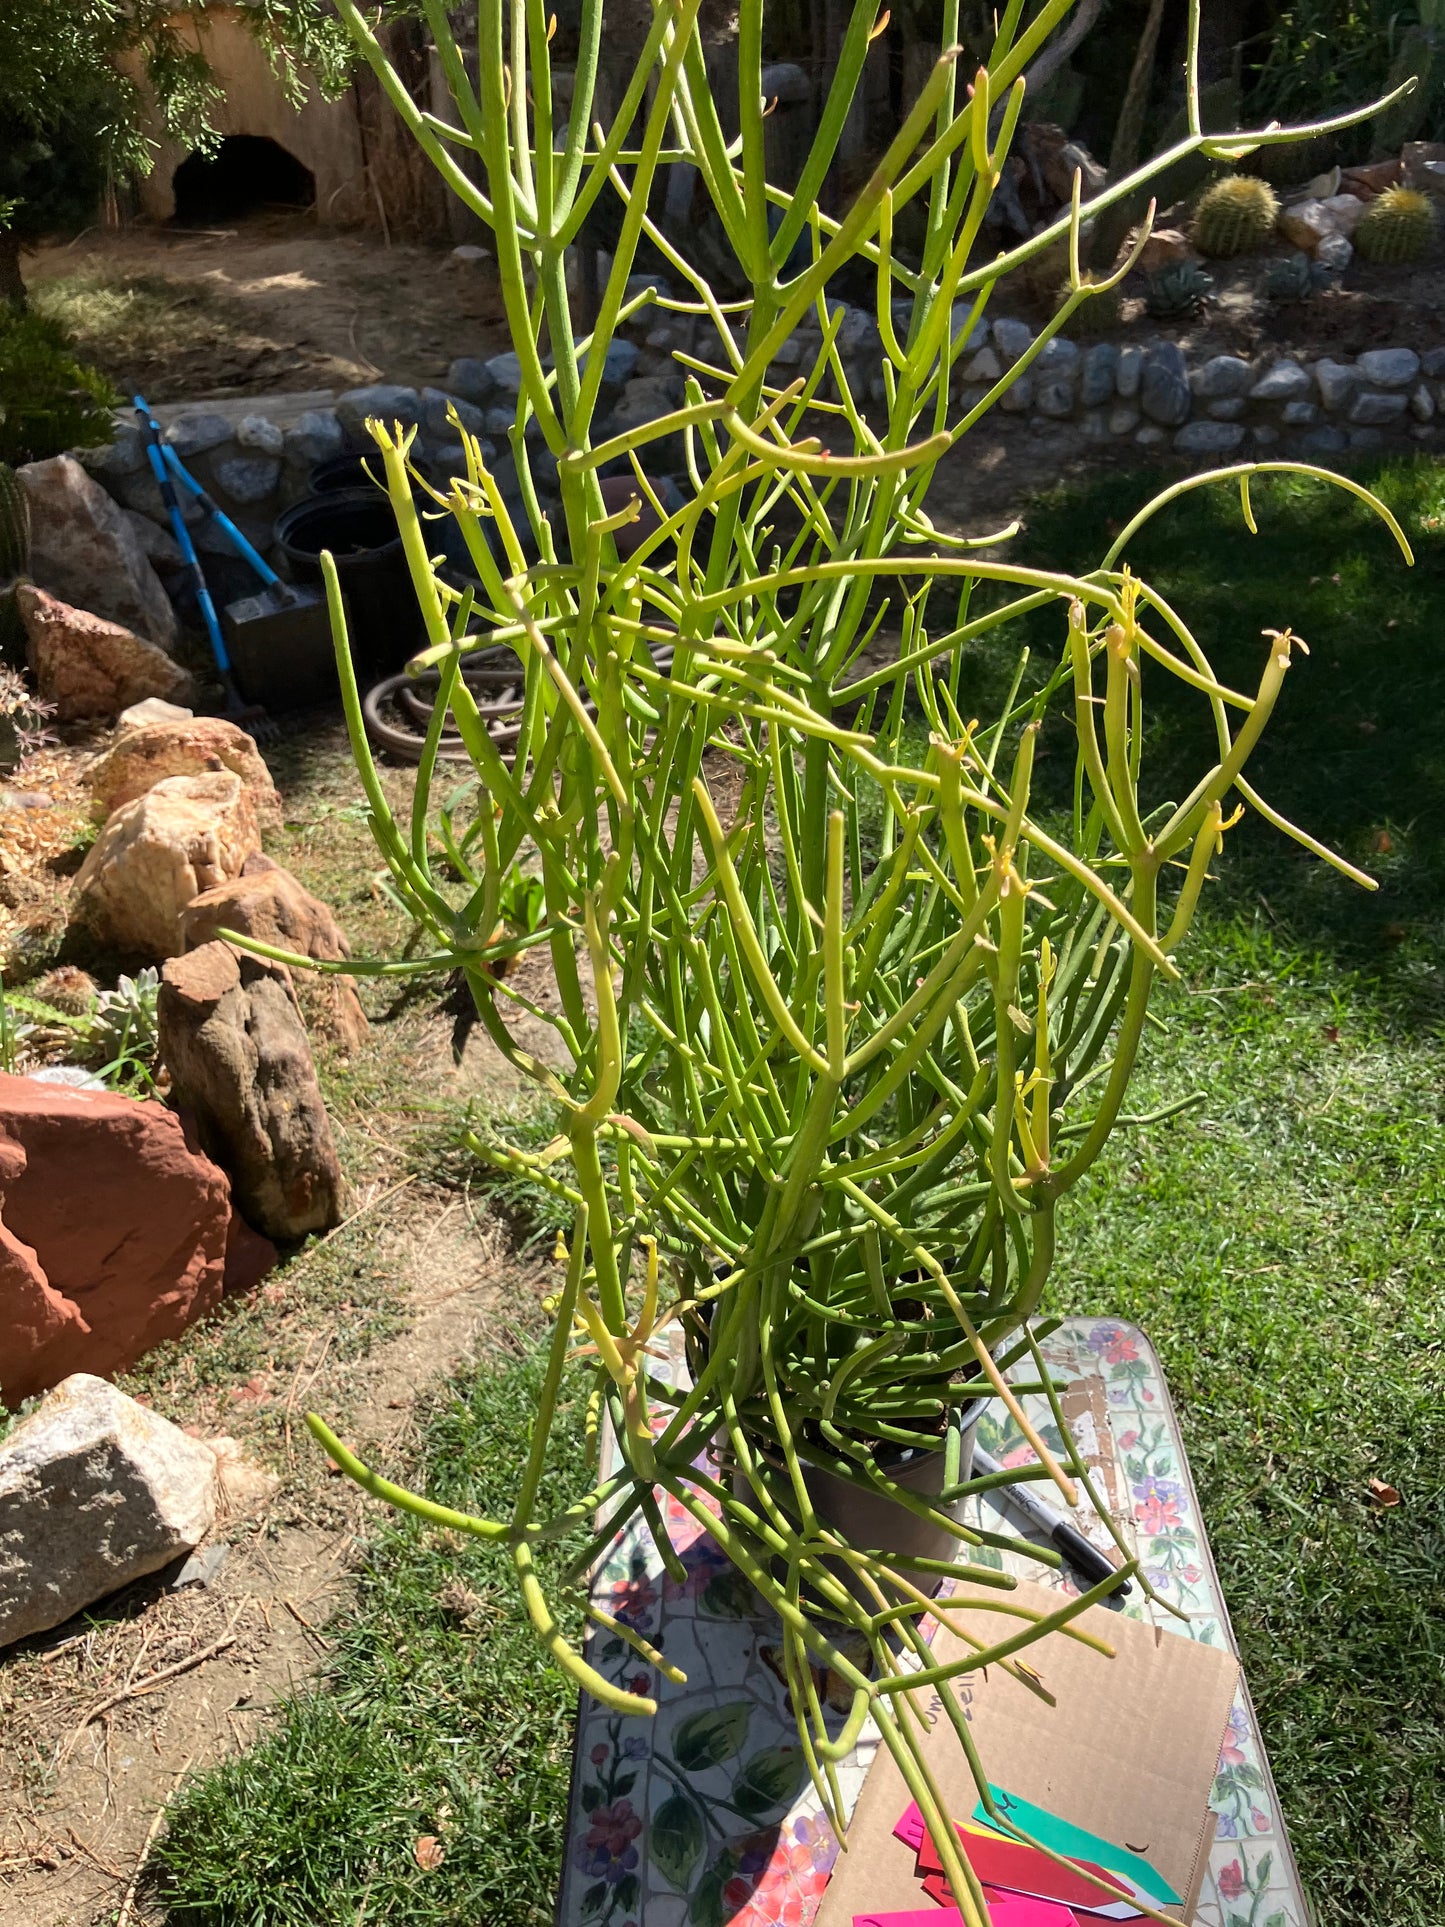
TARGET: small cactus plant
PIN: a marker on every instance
(1175, 293)
(1235, 216)
(1396, 227)
(14, 561)
(1293, 279)
(1101, 313)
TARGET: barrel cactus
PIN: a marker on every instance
(1396, 227)
(1235, 216)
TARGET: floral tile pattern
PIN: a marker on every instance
(704, 1816)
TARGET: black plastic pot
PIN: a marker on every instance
(359, 529)
(346, 471)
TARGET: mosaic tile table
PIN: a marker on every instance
(703, 1816)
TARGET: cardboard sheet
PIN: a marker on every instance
(1127, 1751)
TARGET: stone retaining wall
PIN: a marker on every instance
(1150, 395)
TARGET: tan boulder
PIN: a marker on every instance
(90, 667)
(157, 854)
(152, 710)
(1306, 224)
(1166, 247)
(84, 548)
(203, 746)
(266, 902)
(240, 1065)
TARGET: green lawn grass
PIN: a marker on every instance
(1279, 1243)
(439, 1719)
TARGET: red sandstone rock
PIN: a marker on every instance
(114, 1233)
(87, 666)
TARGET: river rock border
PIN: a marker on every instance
(1150, 395)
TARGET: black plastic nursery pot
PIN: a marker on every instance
(347, 471)
(358, 527)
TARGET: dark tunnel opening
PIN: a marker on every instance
(245, 175)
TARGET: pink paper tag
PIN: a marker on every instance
(919, 1917)
(910, 1829)
(1005, 1910)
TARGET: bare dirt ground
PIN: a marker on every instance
(104, 1721)
(103, 1718)
(272, 304)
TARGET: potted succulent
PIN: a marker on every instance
(847, 1020)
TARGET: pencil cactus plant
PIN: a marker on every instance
(847, 1019)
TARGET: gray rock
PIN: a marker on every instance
(858, 334)
(84, 550)
(1388, 367)
(877, 388)
(1208, 438)
(126, 455)
(1123, 420)
(1149, 436)
(1324, 440)
(1335, 253)
(1372, 410)
(1286, 381)
(1100, 364)
(985, 366)
(162, 550)
(1432, 363)
(501, 422)
(248, 479)
(1423, 431)
(467, 378)
(442, 462)
(202, 1567)
(902, 312)
(1422, 403)
(1221, 376)
(977, 336)
(506, 373)
(1263, 436)
(1011, 338)
(469, 251)
(1129, 372)
(790, 353)
(617, 364)
(661, 338)
(1055, 398)
(382, 400)
(1337, 382)
(787, 84)
(1096, 425)
(1366, 438)
(1164, 390)
(434, 422)
(256, 432)
(1299, 414)
(314, 437)
(195, 434)
(1019, 398)
(140, 494)
(1231, 409)
(95, 1491)
(1057, 357)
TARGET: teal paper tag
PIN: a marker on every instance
(1061, 1837)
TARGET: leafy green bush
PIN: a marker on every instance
(49, 401)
